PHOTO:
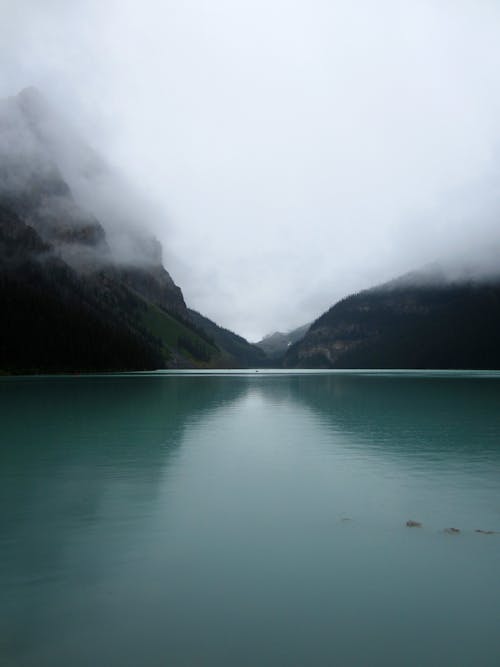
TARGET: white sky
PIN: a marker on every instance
(295, 150)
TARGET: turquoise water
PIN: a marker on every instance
(250, 520)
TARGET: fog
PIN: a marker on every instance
(59, 184)
(289, 152)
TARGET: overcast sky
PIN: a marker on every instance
(296, 150)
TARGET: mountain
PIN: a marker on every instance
(276, 344)
(238, 352)
(420, 320)
(82, 283)
(53, 321)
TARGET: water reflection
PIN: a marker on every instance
(65, 440)
(81, 461)
(195, 520)
(424, 415)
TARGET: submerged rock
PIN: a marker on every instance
(486, 532)
(452, 531)
(413, 524)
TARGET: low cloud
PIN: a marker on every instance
(293, 152)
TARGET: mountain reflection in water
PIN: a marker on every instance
(201, 519)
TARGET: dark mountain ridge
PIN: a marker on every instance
(56, 322)
(239, 352)
(420, 320)
(79, 293)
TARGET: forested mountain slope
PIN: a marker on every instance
(80, 292)
(408, 323)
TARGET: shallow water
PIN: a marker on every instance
(250, 519)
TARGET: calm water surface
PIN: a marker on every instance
(250, 520)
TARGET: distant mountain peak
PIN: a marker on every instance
(276, 344)
(31, 98)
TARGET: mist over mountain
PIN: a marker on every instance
(300, 151)
(50, 173)
(425, 319)
(277, 343)
(83, 281)
(81, 277)
(355, 142)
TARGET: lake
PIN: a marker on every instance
(250, 519)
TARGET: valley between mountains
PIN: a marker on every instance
(83, 286)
